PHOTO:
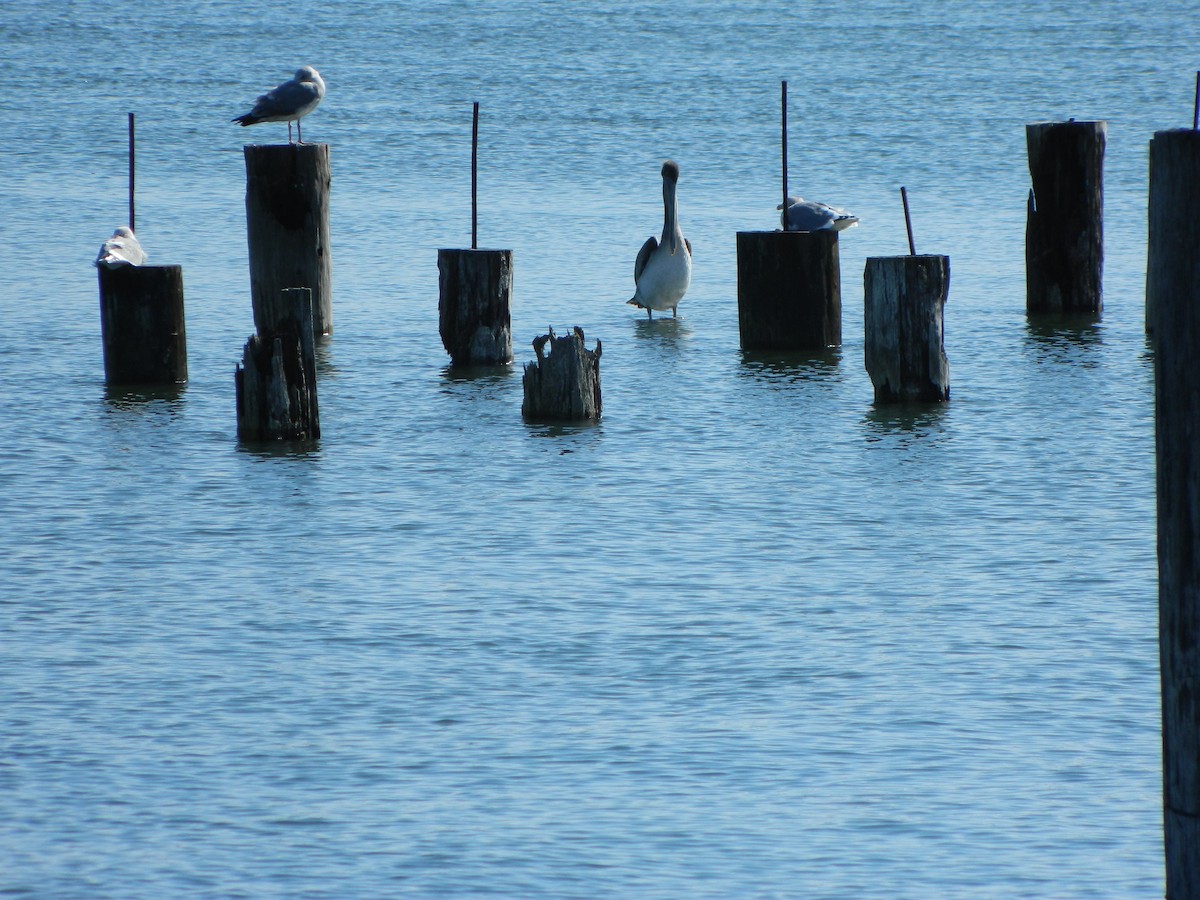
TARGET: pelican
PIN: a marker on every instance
(289, 102)
(122, 249)
(809, 215)
(663, 268)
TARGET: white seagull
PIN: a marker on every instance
(809, 215)
(663, 269)
(289, 102)
(122, 249)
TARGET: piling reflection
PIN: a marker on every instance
(906, 423)
(145, 397)
(1064, 338)
(777, 366)
(301, 449)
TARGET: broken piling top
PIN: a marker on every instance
(563, 385)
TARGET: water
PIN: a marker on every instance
(747, 636)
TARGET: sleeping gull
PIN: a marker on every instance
(663, 268)
(122, 249)
(809, 215)
(289, 102)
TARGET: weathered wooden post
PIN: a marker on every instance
(287, 225)
(475, 291)
(276, 384)
(564, 385)
(789, 290)
(903, 337)
(1173, 308)
(142, 324)
(1064, 235)
(789, 282)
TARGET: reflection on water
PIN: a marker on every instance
(302, 448)
(669, 333)
(1064, 338)
(776, 366)
(906, 422)
(145, 397)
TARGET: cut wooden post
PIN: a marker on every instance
(287, 225)
(1064, 235)
(142, 324)
(564, 385)
(474, 306)
(1172, 299)
(789, 290)
(276, 383)
(903, 336)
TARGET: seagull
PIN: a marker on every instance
(663, 268)
(122, 249)
(289, 102)
(809, 215)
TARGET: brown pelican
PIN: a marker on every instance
(289, 102)
(663, 268)
(122, 249)
(809, 215)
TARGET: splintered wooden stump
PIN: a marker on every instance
(902, 321)
(1172, 299)
(474, 303)
(564, 385)
(277, 381)
(287, 225)
(141, 324)
(1064, 235)
(789, 290)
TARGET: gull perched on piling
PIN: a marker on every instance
(663, 269)
(809, 215)
(289, 102)
(122, 249)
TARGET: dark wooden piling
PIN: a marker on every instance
(789, 290)
(1064, 236)
(1172, 299)
(287, 225)
(903, 335)
(142, 324)
(474, 306)
(565, 384)
(276, 384)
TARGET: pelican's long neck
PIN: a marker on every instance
(671, 234)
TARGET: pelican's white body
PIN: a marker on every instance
(663, 269)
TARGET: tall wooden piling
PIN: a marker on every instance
(789, 290)
(1064, 236)
(276, 384)
(474, 306)
(903, 334)
(142, 324)
(564, 385)
(1173, 302)
(287, 225)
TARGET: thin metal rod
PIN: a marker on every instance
(912, 250)
(1196, 105)
(783, 142)
(132, 156)
(474, 176)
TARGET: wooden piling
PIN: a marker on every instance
(142, 324)
(903, 335)
(287, 225)
(1064, 236)
(276, 384)
(1172, 299)
(564, 385)
(789, 290)
(474, 306)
